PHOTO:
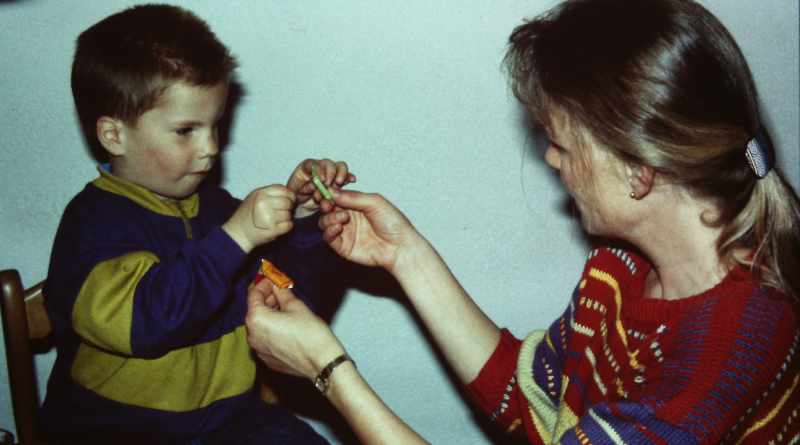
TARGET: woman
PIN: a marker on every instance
(683, 328)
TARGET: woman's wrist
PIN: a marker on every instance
(339, 377)
(329, 353)
(411, 256)
(325, 376)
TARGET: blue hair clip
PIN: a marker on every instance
(760, 155)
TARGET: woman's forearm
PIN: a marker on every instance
(372, 421)
(463, 332)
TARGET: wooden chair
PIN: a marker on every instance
(24, 319)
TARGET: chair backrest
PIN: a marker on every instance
(24, 318)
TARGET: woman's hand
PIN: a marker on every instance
(286, 335)
(367, 229)
(289, 338)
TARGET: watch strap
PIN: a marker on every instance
(322, 383)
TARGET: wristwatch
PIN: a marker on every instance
(322, 382)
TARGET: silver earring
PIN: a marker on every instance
(633, 195)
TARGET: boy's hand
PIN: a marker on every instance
(334, 175)
(264, 215)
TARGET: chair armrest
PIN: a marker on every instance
(38, 320)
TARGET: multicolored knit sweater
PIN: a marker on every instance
(718, 367)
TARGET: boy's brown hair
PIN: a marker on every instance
(125, 62)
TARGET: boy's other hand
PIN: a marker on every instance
(263, 216)
(334, 175)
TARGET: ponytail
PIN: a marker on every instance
(768, 226)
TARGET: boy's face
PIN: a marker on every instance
(173, 145)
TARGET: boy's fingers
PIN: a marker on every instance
(279, 221)
(267, 198)
(284, 226)
(277, 190)
(307, 188)
(328, 173)
(341, 173)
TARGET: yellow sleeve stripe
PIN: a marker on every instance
(543, 413)
(760, 424)
(104, 308)
(182, 380)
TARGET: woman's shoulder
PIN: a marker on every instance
(618, 266)
(740, 327)
(616, 257)
(738, 299)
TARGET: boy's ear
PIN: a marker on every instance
(108, 132)
(641, 179)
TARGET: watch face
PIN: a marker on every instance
(321, 384)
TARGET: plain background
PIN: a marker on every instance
(411, 94)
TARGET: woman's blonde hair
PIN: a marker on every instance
(663, 83)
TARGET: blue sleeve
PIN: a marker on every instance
(305, 258)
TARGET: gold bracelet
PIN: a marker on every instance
(323, 383)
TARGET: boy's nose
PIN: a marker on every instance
(211, 146)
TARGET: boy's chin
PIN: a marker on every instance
(177, 191)
(173, 196)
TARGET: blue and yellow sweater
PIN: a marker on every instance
(148, 300)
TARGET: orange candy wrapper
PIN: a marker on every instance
(268, 270)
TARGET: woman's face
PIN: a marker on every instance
(596, 180)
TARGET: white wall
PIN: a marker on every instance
(411, 95)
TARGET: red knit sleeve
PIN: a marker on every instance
(495, 391)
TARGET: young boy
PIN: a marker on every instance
(149, 270)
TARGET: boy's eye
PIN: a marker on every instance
(184, 131)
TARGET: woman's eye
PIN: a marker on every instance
(184, 131)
